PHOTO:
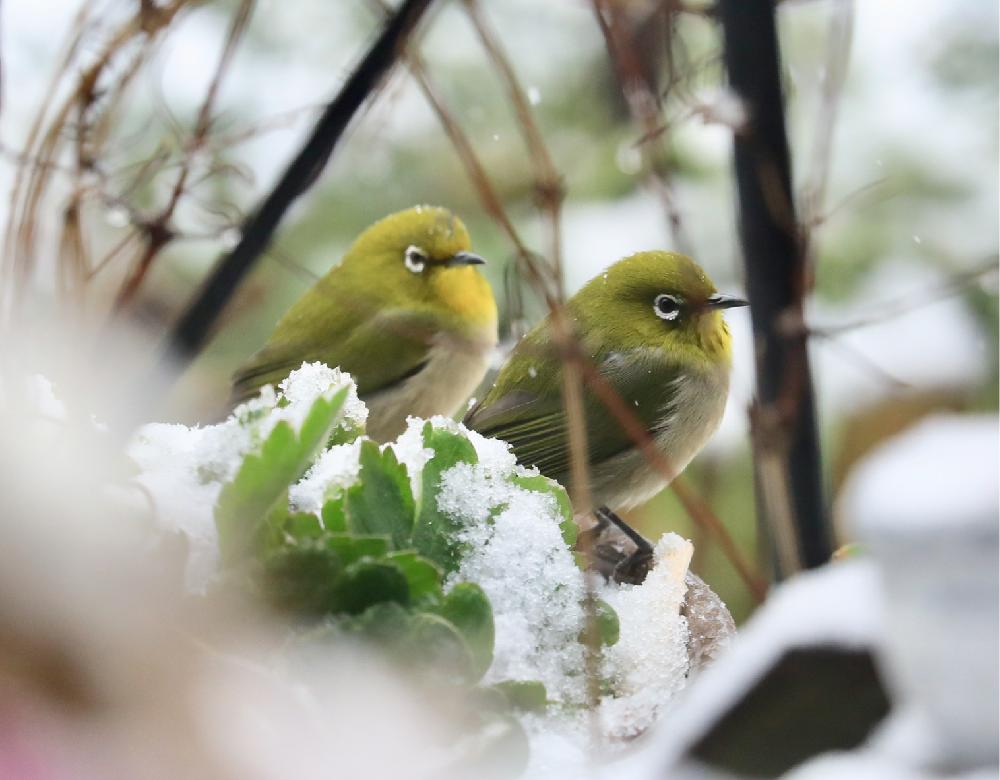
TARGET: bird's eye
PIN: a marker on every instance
(667, 307)
(415, 259)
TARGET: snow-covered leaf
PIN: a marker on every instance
(434, 535)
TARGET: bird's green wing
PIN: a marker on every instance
(530, 416)
(377, 351)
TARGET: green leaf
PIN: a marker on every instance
(541, 484)
(345, 433)
(381, 502)
(423, 577)
(608, 626)
(301, 579)
(417, 640)
(524, 695)
(264, 476)
(437, 646)
(334, 515)
(386, 623)
(366, 583)
(351, 548)
(467, 607)
(283, 528)
(302, 525)
(434, 534)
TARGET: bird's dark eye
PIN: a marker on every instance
(667, 307)
(415, 259)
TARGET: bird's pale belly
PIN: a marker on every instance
(629, 479)
(453, 371)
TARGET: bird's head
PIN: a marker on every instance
(422, 257)
(658, 300)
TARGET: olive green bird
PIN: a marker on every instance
(652, 326)
(406, 313)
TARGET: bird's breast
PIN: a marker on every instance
(454, 368)
(683, 426)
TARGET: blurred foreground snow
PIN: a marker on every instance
(193, 687)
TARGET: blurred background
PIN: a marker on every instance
(892, 112)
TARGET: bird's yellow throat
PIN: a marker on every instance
(467, 293)
(714, 335)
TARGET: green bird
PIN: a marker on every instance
(652, 327)
(406, 313)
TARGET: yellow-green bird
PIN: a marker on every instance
(406, 313)
(652, 326)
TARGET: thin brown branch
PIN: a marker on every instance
(550, 190)
(890, 310)
(862, 361)
(693, 504)
(643, 103)
(159, 231)
(48, 135)
(23, 174)
(834, 76)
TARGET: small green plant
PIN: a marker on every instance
(373, 562)
(437, 549)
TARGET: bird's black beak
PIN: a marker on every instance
(464, 258)
(720, 301)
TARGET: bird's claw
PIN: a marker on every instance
(616, 550)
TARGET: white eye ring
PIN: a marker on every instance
(667, 307)
(415, 259)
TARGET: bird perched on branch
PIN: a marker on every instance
(651, 335)
(406, 313)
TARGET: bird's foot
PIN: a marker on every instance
(616, 550)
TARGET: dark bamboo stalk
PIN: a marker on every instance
(193, 328)
(786, 443)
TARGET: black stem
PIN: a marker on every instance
(775, 262)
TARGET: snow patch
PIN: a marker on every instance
(649, 663)
(334, 471)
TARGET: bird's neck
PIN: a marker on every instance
(467, 295)
(717, 343)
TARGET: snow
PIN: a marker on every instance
(838, 604)
(924, 504)
(493, 454)
(903, 747)
(411, 452)
(183, 469)
(941, 473)
(649, 662)
(168, 457)
(42, 393)
(522, 563)
(304, 385)
(334, 471)
(517, 555)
